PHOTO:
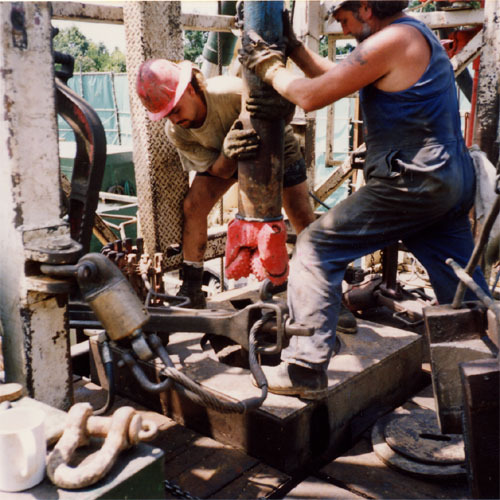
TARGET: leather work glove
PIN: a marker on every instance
(260, 57)
(240, 143)
(266, 104)
(289, 37)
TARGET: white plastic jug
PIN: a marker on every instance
(23, 448)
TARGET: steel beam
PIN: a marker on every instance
(77, 11)
(435, 20)
(486, 133)
(111, 14)
(36, 342)
(307, 24)
(467, 54)
(153, 30)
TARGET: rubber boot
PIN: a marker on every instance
(347, 321)
(192, 279)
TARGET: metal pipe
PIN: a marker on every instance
(477, 252)
(261, 179)
(467, 280)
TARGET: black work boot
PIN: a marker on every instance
(192, 278)
(347, 321)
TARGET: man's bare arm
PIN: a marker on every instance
(309, 62)
(371, 61)
(223, 167)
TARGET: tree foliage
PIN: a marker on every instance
(88, 55)
(433, 6)
(339, 50)
(194, 41)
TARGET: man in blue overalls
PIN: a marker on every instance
(420, 181)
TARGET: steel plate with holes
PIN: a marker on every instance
(417, 436)
(400, 462)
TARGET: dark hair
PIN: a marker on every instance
(198, 82)
(381, 9)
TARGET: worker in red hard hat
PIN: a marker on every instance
(161, 84)
(203, 123)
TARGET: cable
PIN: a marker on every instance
(110, 376)
(317, 200)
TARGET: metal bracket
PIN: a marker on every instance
(90, 160)
(234, 325)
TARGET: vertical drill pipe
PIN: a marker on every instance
(261, 179)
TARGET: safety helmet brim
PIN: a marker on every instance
(337, 5)
(186, 71)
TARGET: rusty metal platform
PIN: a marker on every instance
(375, 370)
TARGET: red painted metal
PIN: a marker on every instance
(257, 247)
(458, 39)
(470, 125)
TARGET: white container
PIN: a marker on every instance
(23, 448)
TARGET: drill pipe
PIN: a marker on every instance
(261, 179)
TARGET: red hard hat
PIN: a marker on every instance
(160, 84)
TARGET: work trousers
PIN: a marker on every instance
(427, 211)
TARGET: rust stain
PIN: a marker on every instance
(18, 23)
(5, 72)
(18, 218)
(26, 315)
(9, 144)
(59, 334)
(7, 102)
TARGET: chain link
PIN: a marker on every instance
(177, 491)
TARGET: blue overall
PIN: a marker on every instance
(420, 186)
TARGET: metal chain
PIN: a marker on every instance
(177, 491)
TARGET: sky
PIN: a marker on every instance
(113, 35)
